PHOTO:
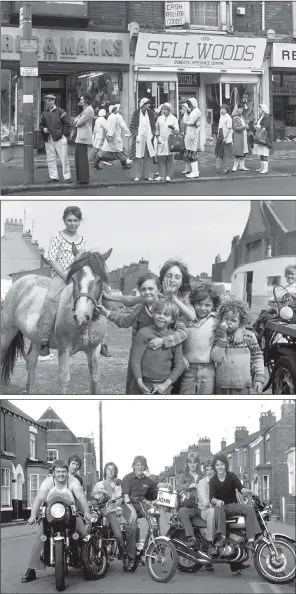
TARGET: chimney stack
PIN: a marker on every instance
(223, 443)
(287, 407)
(266, 420)
(241, 433)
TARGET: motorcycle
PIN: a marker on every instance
(155, 550)
(274, 556)
(62, 545)
(102, 547)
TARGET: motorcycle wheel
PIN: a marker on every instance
(94, 569)
(59, 561)
(187, 566)
(268, 568)
(151, 558)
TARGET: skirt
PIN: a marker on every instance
(261, 150)
(191, 156)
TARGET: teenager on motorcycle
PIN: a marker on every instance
(187, 481)
(110, 486)
(60, 480)
(223, 486)
(136, 487)
(74, 463)
(206, 510)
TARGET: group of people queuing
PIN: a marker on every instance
(151, 154)
(210, 494)
(236, 139)
(184, 340)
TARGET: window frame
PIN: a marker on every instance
(265, 487)
(55, 458)
(33, 456)
(6, 486)
(205, 27)
(30, 487)
(257, 457)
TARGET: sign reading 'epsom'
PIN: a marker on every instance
(199, 51)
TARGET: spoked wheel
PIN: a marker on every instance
(285, 377)
(95, 560)
(276, 568)
(161, 560)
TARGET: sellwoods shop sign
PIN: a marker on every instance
(202, 51)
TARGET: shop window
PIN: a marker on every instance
(34, 487)
(12, 113)
(5, 486)
(52, 455)
(158, 93)
(103, 87)
(230, 94)
(204, 14)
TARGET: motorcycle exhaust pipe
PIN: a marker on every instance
(51, 552)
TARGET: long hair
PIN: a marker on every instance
(92, 259)
(192, 457)
(185, 287)
(141, 459)
(115, 469)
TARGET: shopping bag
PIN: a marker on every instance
(261, 136)
(176, 142)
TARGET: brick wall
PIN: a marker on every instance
(5, 9)
(278, 16)
(149, 15)
(282, 435)
(109, 16)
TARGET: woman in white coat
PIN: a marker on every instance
(165, 125)
(113, 147)
(142, 149)
(192, 135)
(99, 133)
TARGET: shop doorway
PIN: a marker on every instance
(60, 98)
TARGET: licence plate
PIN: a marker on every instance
(167, 499)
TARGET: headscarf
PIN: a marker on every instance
(102, 113)
(113, 107)
(192, 102)
(144, 101)
(264, 107)
(168, 105)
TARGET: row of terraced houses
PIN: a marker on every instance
(120, 51)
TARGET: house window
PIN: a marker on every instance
(5, 486)
(291, 473)
(257, 457)
(265, 487)
(33, 446)
(267, 451)
(34, 486)
(52, 455)
(230, 462)
(204, 14)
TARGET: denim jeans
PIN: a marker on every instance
(233, 509)
(185, 514)
(199, 379)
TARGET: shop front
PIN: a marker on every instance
(215, 69)
(283, 63)
(69, 63)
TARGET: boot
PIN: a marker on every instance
(97, 163)
(242, 165)
(261, 167)
(265, 167)
(29, 576)
(104, 350)
(191, 542)
(194, 171)
(235, 164)
(187, 168)
(125, 164)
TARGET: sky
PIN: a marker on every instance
(195, 231)
(156, 429)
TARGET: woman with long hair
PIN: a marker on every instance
(187, 481)
(83, 125)
(263, 138)
(112, 487)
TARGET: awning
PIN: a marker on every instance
(173, 69)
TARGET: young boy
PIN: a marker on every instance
(237, 364)
(155, 371)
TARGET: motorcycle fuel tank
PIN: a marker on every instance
(237, 523)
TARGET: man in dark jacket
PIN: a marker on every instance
(55, 127)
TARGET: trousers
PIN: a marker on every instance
(52, 148)
(50, 307)
(232, 509)
(81, 162)
(115, 526)
(166, 166)
(34, 560)
(132, 529)
(209, 516)
(185, 514)
(143, 167)
(199, 379)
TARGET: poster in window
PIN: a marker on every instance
(174, 14)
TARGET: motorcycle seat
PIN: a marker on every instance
(198, 522)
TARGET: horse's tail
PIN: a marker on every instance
(15, 349)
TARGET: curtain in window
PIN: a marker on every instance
(204, 14)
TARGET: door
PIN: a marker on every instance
(249, 287)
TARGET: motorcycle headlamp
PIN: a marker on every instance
(57, 510)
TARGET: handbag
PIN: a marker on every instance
(176, 142)
(261, 136)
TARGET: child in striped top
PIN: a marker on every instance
(239, 367)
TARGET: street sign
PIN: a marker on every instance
(29, 71)
(28, 45)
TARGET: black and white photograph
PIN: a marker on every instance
(148, 98)
(179, 497)
(149, 297)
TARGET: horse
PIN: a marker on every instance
(78, 326)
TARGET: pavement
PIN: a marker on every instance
(282, 165)
(16, 543)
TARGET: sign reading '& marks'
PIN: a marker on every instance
(200, 50)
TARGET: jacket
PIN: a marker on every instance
(57, 122)
(99, 132)
(113, 141)
(163, 132)
(83, 123)
(266, 122)
(134, 128)
(225, 124)
(240, 140)
(193, 130)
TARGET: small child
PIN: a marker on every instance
(237, 363)
(155, 371)
(199, 374)
(290, 276)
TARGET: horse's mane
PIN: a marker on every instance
(92, 259)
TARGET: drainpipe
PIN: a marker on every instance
(263, 15)
(223, 15)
